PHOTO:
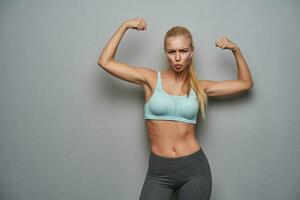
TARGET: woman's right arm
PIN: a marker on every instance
(137, 75)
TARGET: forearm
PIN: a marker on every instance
(242, 67)
(109, 51)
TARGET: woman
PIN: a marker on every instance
(172, 100)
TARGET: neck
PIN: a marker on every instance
(177, 76)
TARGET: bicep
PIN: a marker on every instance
(223, 88)
(133, 74)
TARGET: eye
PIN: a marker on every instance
(180, 51)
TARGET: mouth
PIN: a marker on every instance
(178, 66)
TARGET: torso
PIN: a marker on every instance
(169, 138)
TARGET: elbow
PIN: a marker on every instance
(252, 84)
(100, 63)
(249, 86)
(246, 86)
(103, 62)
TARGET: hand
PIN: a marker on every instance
(137, 23)
(225, 43)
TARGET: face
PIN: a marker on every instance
(178, 52)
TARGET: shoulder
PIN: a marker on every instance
(149, 74)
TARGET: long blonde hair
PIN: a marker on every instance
(191, 79)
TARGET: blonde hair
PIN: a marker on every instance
(191, 79)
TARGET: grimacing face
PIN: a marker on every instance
(178, 52)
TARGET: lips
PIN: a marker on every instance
(178, 66)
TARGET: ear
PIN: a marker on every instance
(191, 54)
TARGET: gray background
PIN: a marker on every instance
(69, 130)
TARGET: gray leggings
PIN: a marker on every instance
(190, 174)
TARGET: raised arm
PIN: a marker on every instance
(137, 75)
(243, 82)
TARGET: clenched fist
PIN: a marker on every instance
(136, 23)
(225, 43)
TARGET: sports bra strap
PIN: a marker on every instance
(158, 81)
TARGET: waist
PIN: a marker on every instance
(171, 138)
(175, 151)
(174, 146)
(186, 155)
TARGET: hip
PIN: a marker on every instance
(190, 165)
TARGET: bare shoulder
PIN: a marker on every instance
(149, 74)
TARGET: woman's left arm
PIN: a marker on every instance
(244, 81)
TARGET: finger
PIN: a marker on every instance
(139, 26)
(216, 43)
(222, 45)
(139, 22)
(145, 23)
(144, 26)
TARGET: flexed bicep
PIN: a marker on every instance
(224, 87)
(133, 74)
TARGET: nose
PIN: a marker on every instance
(177, 57)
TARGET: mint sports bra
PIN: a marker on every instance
(164, 106)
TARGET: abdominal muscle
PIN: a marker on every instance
(171, 138)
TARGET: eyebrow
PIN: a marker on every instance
(179, 49)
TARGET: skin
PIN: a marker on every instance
(172, 138)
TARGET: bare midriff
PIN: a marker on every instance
(171, 138)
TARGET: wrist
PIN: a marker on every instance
(235, 49)
(124, 25)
